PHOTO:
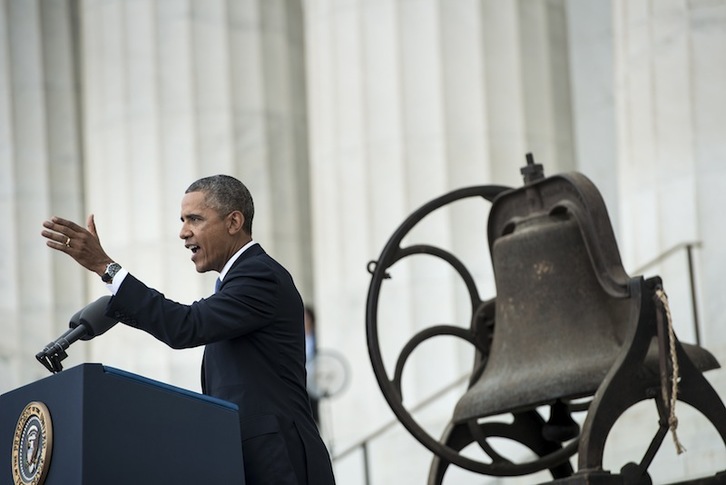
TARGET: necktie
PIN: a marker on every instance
(217, 284)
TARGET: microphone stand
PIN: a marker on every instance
(85, 324)
(52, 361)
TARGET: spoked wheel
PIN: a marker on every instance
(525, 428)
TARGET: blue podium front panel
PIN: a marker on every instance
(113, 427)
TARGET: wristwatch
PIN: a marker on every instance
(111, 270)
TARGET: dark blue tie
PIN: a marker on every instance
(217, 284)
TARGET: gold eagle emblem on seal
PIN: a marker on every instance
(32, 445)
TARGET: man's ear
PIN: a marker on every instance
(235, 220)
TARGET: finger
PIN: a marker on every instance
(58, 224)
(56, 238)
(53, 235)
(91, 224)
(58, 231)
(64, 246)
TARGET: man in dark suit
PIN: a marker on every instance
(252, 327)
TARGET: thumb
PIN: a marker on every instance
(91, 224)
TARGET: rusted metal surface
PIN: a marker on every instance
(567, 322)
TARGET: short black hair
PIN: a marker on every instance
(226, 194)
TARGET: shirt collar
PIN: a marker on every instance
(234, 258)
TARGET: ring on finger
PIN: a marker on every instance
(68, 242)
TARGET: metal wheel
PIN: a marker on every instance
(447, 450)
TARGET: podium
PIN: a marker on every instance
(106, 426)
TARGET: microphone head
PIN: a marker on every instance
(94, 318)
(75, 319)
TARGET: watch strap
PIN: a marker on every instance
(111, 270)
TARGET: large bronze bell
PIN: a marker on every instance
(557, 331)
(567, 322)
(563, 306)
(571, 323)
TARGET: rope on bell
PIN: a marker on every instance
(672, 419)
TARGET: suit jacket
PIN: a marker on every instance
(254, 356)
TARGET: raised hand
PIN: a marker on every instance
(79, 243)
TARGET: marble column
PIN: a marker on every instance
(669, 61)
(410, 100)
(669, 69)
(343, 117)
(114, 108)
(180, 89)
(40, 174)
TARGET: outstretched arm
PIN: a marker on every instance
(79, 243)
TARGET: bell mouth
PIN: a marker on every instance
(536, 386)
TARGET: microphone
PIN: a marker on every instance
(93, 318)
(85, 324)
(76, 317)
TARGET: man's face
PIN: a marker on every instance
(205, 233)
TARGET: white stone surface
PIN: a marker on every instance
(343, 117)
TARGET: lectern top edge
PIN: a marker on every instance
(169, 387)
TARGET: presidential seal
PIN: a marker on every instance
(32, 445)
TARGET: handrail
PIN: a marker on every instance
(363, 442)
(390, 424)
(666, 254)
(688, 246)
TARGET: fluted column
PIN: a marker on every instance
(114, 108)
(670, 67)
(176, 90)
(410, 100)
(40, 174)
(669, 64)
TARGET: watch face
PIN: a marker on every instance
(111, 271)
